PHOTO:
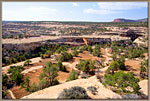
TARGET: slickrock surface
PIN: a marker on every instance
(54, 91)
(31, 69)
(33, 60)
(144, 86)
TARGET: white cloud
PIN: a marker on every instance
(70, 12)
(115, 7)
(121, 5)
(99, 11)
(42, 10)
(74, 4)
(30, 13)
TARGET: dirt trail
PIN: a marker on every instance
(12, 95)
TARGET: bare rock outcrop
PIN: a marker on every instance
(54, 91)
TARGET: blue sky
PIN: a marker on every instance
(73, 11)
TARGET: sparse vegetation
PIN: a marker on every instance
(49, 73)
(73, 75)
(74, 93)
(71, 50)
(120, 81)
(27, 62)
(92, 89)
(61, 66)
(65, 56)
(144, 69)
(86, 66)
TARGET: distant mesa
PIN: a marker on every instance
(129, 20)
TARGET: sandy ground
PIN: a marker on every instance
(34, 60)
(144, 86)
(31, 69)
(53, 92)
(133, 66)
(71, 65)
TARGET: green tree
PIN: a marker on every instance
(65, 56)
(113, 67)
(16, 76)
(121, 81)
(121, 62)
(84, 66)
(90, 49)
(27, 62)
(75, 53)
(143, 70)
(61, 66)
(96, 51)
(26, 83)
(49, 73)
(72, 76)
(4, 80)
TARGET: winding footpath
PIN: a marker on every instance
(12, 95)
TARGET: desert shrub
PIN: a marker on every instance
(4, 80)
(86, 66)
(43, 84)
(85, 48)
(73, 48)
(72, 76)
(26, 83)
(41, 55)
(75, 53)
(46, 55)
(65, 56)
(92, 89)
(33, 87)
(61, 66)
(112, 67)
(121, 63)
(74, 93)
(15, 74)
(96, 51)
(121, 81)
(81, 50)
(90, 49)
(114, 57)
(131, 96)
(4, 94)
(144, 69)
(27, 62)
(136, 53)
(84, 75)
(115, 65)
(15, 68)
(55, 82)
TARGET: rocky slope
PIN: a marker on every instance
(54, 91)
